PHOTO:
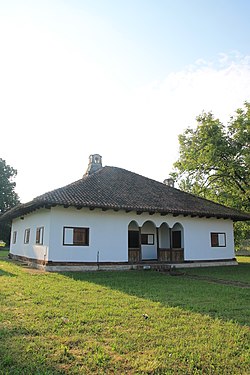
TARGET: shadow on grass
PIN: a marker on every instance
(219, 301)
(5, 273)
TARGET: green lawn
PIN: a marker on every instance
(238, 273)
(243, 259)
(3, 253)
(93, 323)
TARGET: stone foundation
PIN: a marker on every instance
(50, 266)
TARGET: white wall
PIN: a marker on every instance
(108, 234)
(39, 218)
(197, 241)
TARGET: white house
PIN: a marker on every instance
(116, 219)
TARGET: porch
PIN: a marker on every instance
(148, 243)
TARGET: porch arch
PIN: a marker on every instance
(149, 241)
(177, 243)
(164, 249)
(164, 236)
(134, 242)
(177, 236)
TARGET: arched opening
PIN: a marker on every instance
(177, 243)
(148, 241)
(133, 235)
(134, 243)
(164, 236)
(164, 252)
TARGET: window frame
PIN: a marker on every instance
(26, 239)
(86, 230)
(14, 237)
(40, 230)
(215, 241)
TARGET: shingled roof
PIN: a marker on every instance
(119, 189)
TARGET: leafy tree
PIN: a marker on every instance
(8, 196)
(214, 162)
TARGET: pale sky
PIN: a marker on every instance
(121, 78)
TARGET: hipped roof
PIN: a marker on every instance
(119, 189)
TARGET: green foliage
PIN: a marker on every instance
(8, 196)
(92, 323)
(214, 162)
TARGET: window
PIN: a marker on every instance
(75, 236)
(14, 237)
(218, 239)
(147, 239)
(27, 235)
(39, 235)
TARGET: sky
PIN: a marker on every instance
(120, 78)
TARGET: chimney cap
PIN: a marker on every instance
(95, 163)
(169, 182)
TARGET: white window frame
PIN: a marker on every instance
(39, 235)
(26, 239)
(220, 239)
(14, 237)
(69, 233)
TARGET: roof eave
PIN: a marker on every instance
(30, 207)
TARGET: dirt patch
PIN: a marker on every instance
(25, 266)
(209, 279)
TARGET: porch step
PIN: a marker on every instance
(170, 269)
(163, 268)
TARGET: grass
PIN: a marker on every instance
(239, 273)
(243, 259)
(4, 253)
(93, 323)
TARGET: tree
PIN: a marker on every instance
(8, 196)
(214, 162)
